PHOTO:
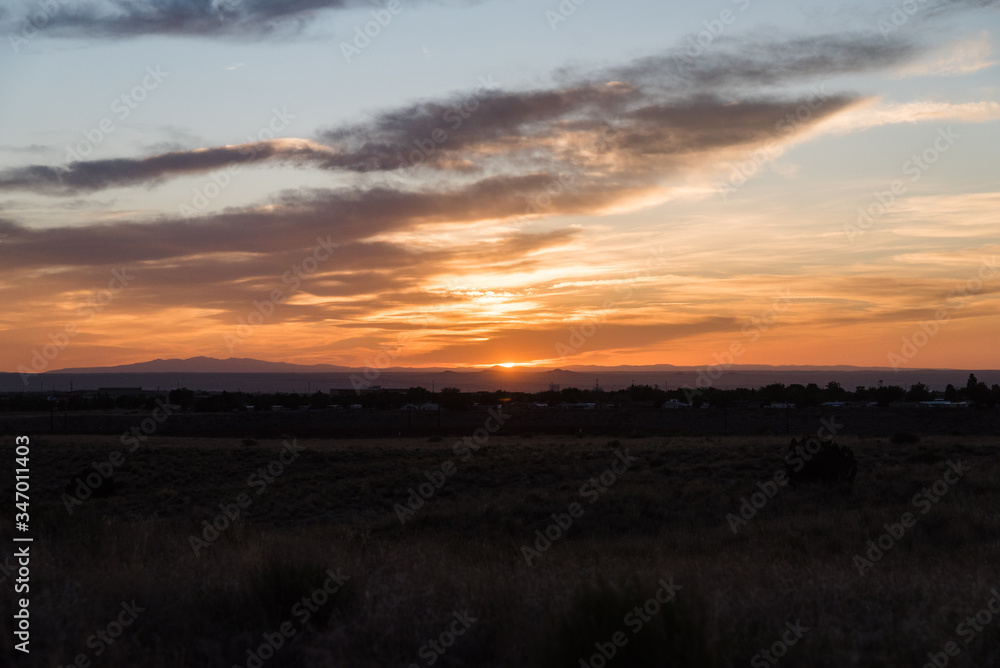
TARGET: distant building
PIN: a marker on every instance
(553, 387)
(343, 392)
(579, 406)
(115, 392)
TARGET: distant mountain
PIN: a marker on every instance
(496, 368)
(250, 375)
(249, 365)
(210, 365)
(735, 367)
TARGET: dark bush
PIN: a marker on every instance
(904, 437)
(811, 460)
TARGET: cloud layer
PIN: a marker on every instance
(447, 211)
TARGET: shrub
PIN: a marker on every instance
(904, 437)
(831, 464)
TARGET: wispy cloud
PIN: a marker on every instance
(959, 57)
(464, 191)
(237, 19)
(624, 125)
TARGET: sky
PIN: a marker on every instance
(468, 183)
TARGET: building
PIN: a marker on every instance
(115, 392)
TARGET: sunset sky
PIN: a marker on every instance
(500, 181)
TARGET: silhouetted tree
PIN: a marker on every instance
(919, 392)
(182, 397)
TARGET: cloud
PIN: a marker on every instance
(238, 19)
(475, 165)
(873, 113)
(749, 62)
(960, 57)
(627, 126)
(539, 343)
(96, 175)
(291, 220)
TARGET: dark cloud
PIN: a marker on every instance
(249, 19)
(100, 174)
(293, 221)
(942, 7)
(749, 62)
(492, 154)
(356, 279)
(629, 134)
(240, 19)
(644, 119)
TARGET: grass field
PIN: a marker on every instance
(633, 513)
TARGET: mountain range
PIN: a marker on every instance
(249, 365)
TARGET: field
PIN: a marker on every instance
(467, 576)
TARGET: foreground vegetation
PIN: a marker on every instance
(464, 561)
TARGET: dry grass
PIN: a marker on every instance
(664, 518)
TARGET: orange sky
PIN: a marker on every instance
(792, 199)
